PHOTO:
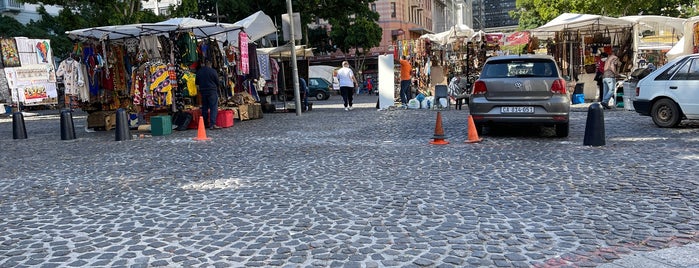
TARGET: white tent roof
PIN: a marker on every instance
(645, 20)
(285, 51)
(200, 28)
(573, 21)
(677, 50)
(256, 26)
(449, 36)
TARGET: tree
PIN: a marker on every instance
(534, 13)
(92, 13)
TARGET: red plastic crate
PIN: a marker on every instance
(225, 118)
(196, 113)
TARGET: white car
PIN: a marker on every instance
(670, 94)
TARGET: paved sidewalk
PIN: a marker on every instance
(678, 257)
(360, 188)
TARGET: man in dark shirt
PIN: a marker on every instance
(303, 88)
(207, 85)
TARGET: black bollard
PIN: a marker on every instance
(594, 128)
(67, 128)
(18, 129)
(122, 125)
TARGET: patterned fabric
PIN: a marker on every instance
(263, 62)
(244, 57)
(274, 75)
(72, 75)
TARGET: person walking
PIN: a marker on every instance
(206, 80)
(405, 76)
(609, 80)
(348, 82)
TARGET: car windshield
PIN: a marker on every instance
(519, 68)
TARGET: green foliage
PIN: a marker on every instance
(534, 13)
(187, 9)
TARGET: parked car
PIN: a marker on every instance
(670, 94)
(319, 88)
(521, 89)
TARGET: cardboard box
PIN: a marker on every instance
(243, 112)
(102, 120)
(161, 125)
(225, 118)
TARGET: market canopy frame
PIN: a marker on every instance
(256, 26)
(200, 28)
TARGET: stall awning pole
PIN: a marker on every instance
(294, 66)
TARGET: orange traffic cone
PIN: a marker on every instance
(438, 137)
(201, 131)
(472, 131)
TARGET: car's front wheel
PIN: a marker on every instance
(562, 130)
(320, 95)
(666, 113)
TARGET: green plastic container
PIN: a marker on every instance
(160, 125)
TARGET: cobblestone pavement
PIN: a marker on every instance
(335, 188)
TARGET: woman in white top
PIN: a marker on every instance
(348, 82)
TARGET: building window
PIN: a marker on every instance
(373, 7)
(393, 9)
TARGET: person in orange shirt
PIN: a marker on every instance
(405, 72)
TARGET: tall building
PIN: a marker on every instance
(402, 19)
(493, 15)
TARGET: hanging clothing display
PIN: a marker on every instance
(71, 72)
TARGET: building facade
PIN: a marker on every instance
(159, 7)
(24, 13)
(493, 15)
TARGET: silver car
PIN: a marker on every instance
(670, 93)
(521, 89)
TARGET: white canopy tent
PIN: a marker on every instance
(451, 35)
(686, 45)
(285, 51)
(200, 28)
(256, 26)
(582, 22)
(664, 33)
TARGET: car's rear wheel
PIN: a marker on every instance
(562, 130)
(320, 95)
(665, 113)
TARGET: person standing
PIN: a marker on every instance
(405, 75)
(599, 75)
(609, 80)
(348, 82)
(303, 88)
(207, 84)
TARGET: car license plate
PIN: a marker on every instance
(517, 110)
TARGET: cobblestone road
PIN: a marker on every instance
(333, 188)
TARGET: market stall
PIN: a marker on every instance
(654, 36)
(148, 68)
(447, 54)
(28, 68)
(576, 41)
